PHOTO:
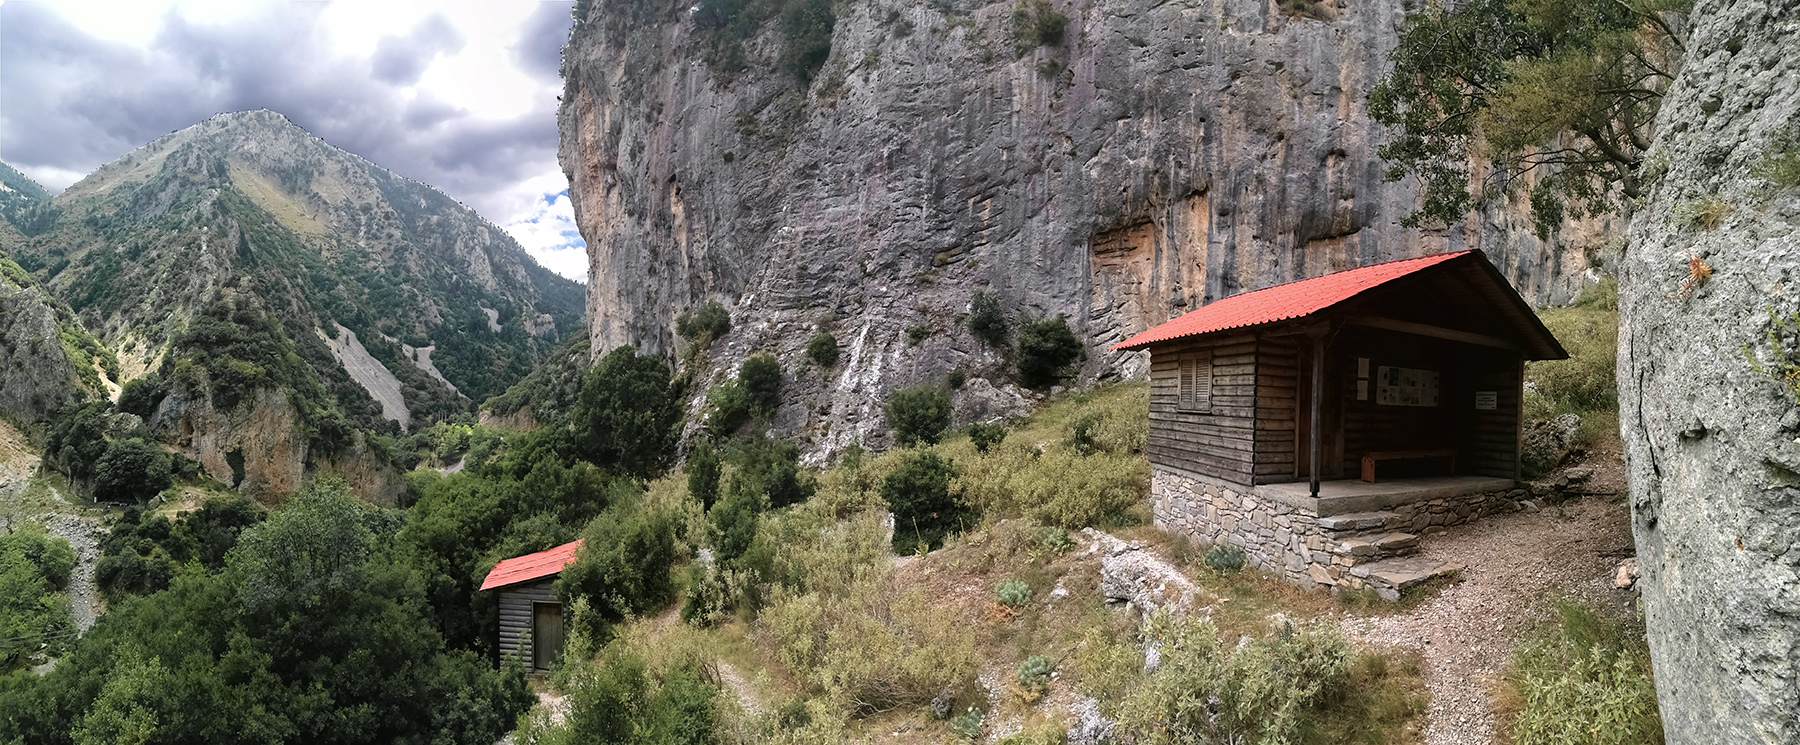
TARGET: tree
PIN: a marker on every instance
(131, 470)
(622, 567)
(918, 492)
(760, 378)
(703, 324)
(1563, 90)
(918, 414)
(1046, 350)
(986, 321)
(628, 412)
(822, 349)
(703, 475)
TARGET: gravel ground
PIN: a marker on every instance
(83, 534)
(1515, 564)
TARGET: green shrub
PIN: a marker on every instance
(1584, 383)
(621, 697)
(967, 725)
(33, 568)
(1058, 487)
(1013, 593)
(141, 396)
(1224, 558)
(822, 349)
(918, 414)
(1081, 433)
(917, 333)
(1584, 680)
(956, 378)
(131, 470)
(1055, 540)
(622, 567)
(986, 321)
(735, 523)
(760, 378)
(806, 35)
(1207, 690)
(1036, 23)
(918, 493)
(703, 465)
(709, 321)
(1046, 350)
(628, 413)
(986, 435)
(727, 409)
(1705, 213)
(770, 470)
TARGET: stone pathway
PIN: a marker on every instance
(1513, 566)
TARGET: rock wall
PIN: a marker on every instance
(1161, 156)
(37, 374)
(1711, 441)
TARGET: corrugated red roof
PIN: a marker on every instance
(530, 566)
(1284, 301)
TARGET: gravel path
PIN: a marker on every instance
(1515, 564)
(83, 534)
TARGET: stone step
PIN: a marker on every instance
(1368, 548)
(1356, 521)
(1390, 577)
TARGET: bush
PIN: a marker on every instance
(622, 567)
(703, 474)
(628, 413)
(1585, 680)
(771, 470)
(33, 568)
(1081, 433)
(141, 396)
(917, 333)
(1013, 593)
(822, 349)
(728, 409)
(918, 414)
(1046, 350)
(918, 492)
(984, 436)
(806, 36)
(760, 378)
(967, 725)
(986, 321)
(622, 697)
(1033, 676)
(131, 470)
(1036, 23)
(734, 521)
(1264, 690)
(709, 321)
(1058, 487)
(1224, 558)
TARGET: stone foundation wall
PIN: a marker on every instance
(1294, 541)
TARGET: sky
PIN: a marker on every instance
(459, 95)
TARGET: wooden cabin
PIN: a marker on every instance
(528, 602)
(1390, 394)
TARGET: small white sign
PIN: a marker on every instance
(1487, 400)
(1362, 390)
(1362, 367)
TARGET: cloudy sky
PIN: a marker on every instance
(460, 95)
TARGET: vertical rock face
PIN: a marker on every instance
(1162, 155)
(1711, 440)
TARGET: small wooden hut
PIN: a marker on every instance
(1305, 420)
(528, 602)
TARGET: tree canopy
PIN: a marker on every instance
(1556, 97)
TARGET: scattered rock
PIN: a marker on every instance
(1091, 727)
(1627, 574)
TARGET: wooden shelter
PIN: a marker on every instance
(1405, 376)
(528, 602)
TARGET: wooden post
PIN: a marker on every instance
(1318, 406)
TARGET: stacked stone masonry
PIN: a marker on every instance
(1334, 551)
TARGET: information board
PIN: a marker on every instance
(1404, 386)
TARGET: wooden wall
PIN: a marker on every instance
(1491, 447)
(1278, 379)
(1221, 443)
(515, 615)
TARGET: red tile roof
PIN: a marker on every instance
(1284, 301)
(530, 566)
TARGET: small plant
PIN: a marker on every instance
(708, 322)
(918, 414)
(967, 725)
(986, 321)
(1033, 677)
(1586, 679)
(956, 378)
(1698, 272)
(1036, 23)
(1046, 350)
(728, 409)
(1784, 349)
(917, 333)
(1780, 165)
(1055, 540)
(1013, 593)
(1081, 434)
(1705, 213)
(823, 349)
(986, 435)
(1224, 558)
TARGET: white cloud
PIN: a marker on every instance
(547, 231)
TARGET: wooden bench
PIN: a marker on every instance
(1448, 455)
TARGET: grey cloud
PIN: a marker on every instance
(539, 49)
(70, 101)
(400, 60)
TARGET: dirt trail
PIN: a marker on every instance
(59, 516)
(1515, 565)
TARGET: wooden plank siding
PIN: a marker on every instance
(1220, 442)
(1278, 382)
(516, 615)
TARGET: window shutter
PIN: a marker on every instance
(1203, 380)
(1185, 398)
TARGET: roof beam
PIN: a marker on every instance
(1435, 332)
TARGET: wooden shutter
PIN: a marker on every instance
(1203, 380)
(1185, 400)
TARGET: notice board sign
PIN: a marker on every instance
(1487, 400)
(1404, 386)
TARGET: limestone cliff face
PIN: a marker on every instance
(1163, 155)
(1711, 441)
